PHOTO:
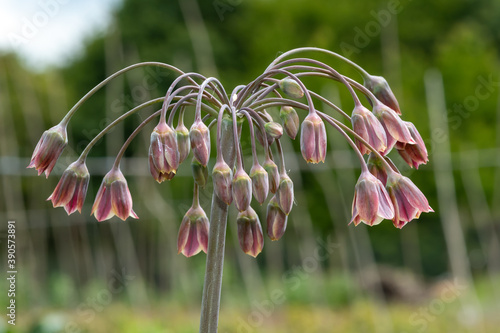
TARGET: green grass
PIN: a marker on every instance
(289, 313)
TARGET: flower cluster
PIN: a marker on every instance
(380, 193)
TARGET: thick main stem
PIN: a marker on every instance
(210, 303)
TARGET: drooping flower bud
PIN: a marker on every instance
(193, 232)
(291, 88)
(408, 201)
(290, 120)
(415, 154)
(199, 135)
(284, 195)
(260, 183)
(276, 220)
(71, 190)
(273, 129)
(48, 149)
(377, 168)
(371, 202)
(250, 232)
(273, 174)
(163, 153)
(313, 139)
(113, 198)
(183, 142)
(367, 126)
(394, 127)
(200, 172)
(242, 190)
(222, 177)
(381, 89)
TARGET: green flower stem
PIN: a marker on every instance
(210, 303)
(328, 68)
(358, 68)
(71, 112)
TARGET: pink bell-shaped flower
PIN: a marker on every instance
(113, 198)
(71, 190)
(250, 232)
(48, 149)
(313, 139)
(409, 202)
(371, 202)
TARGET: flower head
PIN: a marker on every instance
(291, 88)
(260, 182)
(199, 135)
(366, 125)
(222, 177)
(113, 198)
(413, 154)
(242, 190)
(276, 220)
(250, 232)
(290, 120)
(371, 202)
(409, 202)
(394, 127)
(71, 190)
(48, 149)
(193, 232)
(380, 88)
(313, 139)
(163, 153)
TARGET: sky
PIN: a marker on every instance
(50, 32)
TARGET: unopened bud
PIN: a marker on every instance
(199, 136)
(313, 139)
(273, 129)
(242, 190)
(376, 168)
(222, 177)
(276, 220)
(381, 89)
(291, 88)
(284, 195)
(290, 120)
(273, 174)
(250, 232)
(183, 142)
(200, 172)
(260, 183)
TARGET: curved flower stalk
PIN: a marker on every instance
(380, 193)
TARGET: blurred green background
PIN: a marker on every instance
(438, 274)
